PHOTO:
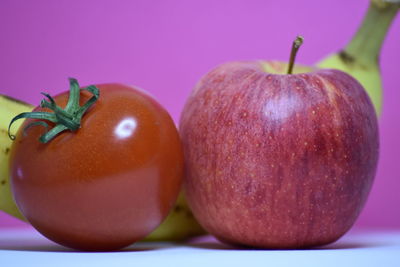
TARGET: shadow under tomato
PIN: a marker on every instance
(28, 245)
(48, 246)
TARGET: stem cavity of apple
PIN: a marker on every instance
(295, 47)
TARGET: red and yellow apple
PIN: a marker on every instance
(277, 160)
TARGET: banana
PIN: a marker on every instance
(179, 225)
(9, 108)
(367, 74)
(360, 57)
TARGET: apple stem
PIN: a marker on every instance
(295, 47)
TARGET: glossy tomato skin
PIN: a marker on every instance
(106, 185)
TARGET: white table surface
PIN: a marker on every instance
(25, 247)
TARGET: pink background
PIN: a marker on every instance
(166, 46)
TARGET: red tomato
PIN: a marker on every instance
(106, 185)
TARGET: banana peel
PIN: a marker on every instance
(179, 225)
(360, 57)
(9, 108)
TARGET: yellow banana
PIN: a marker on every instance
(179, 225)
(360, 58)
(9, 108)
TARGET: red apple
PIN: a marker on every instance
(278, 160)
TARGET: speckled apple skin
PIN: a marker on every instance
(278, 161)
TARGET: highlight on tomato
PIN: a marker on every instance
(96, 168)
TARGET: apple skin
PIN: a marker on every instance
(275, 160)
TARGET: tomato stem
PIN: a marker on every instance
(64, 119)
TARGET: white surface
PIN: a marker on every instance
(28, 248)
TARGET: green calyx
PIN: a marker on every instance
(68, 118)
